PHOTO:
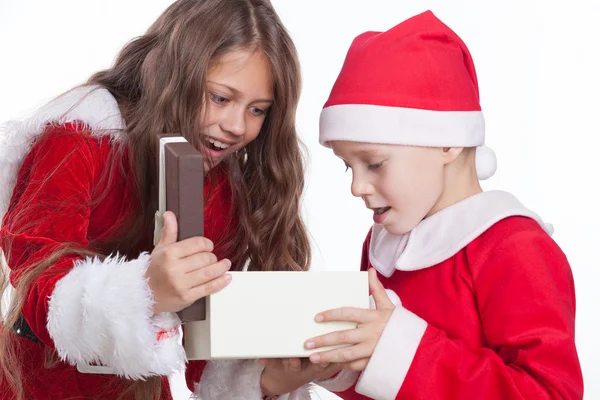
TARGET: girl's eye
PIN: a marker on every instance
(257, 111)
(219, 99)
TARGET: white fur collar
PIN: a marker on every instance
(445, 233)
(92, 105)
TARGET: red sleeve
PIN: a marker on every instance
(525, 295)
(526, 298)
(50, 207)
(90, 310)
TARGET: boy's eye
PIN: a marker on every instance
(219, 99)
(373, 167)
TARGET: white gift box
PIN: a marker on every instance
(272, 314)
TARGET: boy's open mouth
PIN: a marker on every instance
(380, 210)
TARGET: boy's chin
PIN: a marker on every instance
(398, 228)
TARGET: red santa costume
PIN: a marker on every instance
(90, 311)
(485, 298)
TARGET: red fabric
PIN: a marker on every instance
(53, 203)
(501, 320)
(420, 63)
(193, 373)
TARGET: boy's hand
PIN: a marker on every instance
(363, 339)
(285, 375)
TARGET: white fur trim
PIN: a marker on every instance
(236, 380)
(93, 106)
(342, 381)
(392, 296)
(101, 313)
(370, 123)
(393, 355)
(230, 379)
(398, 125)
(445, 233)
(303, 393)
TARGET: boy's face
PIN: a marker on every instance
(401, 184)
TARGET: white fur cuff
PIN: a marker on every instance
(236, 380)
(342, 381)
(393, 355)
(231, 380)
(101, 313)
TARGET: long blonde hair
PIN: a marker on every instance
(159, 81)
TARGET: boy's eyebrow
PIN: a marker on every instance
(238, 93)
(366, 152)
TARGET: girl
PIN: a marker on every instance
(79, 195)
(480, 301)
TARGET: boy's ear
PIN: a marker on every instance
(450, 154)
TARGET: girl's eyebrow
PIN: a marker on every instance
(238, 93)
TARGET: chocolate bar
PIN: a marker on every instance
(183, 194)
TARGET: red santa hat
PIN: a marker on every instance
(414, 84)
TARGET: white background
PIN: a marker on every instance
(537, 63)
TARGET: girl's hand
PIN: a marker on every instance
(363, 339)
(285, 375)
(182, 272)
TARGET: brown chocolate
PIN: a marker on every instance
(184, 174)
